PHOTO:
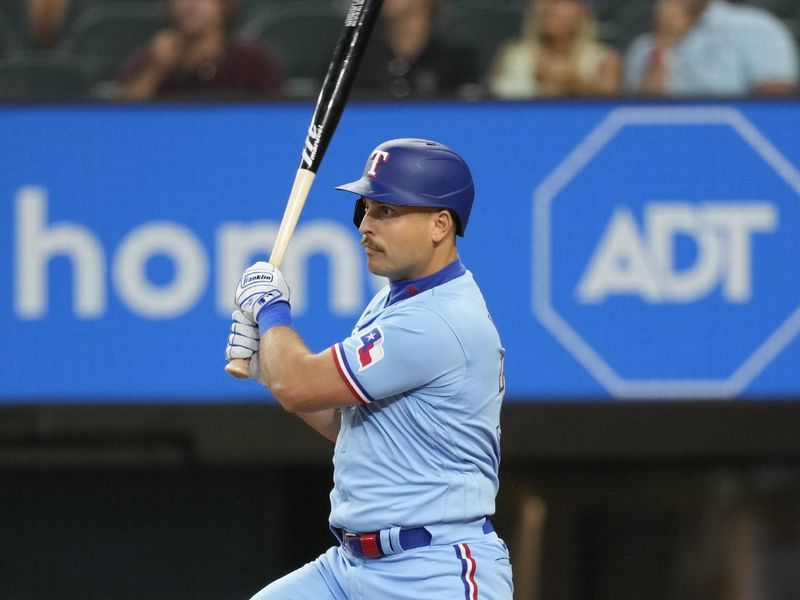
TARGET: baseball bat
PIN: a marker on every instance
(358, 25)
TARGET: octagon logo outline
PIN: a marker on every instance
(546, 192)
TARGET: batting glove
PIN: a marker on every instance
(262, 289)
(243, 342)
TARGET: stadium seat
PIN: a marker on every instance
(467, 5)
(84, 5)
(629, 20)
(605, 9)
(794, 26)
(608, 30)
(47, 78)
(103, 36)
(9, 40)
(301, 37)
(483, 26)
(246, 10)
(14, 14)
(784, 9)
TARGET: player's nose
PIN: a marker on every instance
(367, 223)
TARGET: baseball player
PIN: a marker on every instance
(412, 397)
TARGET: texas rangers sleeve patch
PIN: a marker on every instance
(370, 352)
(349, 378)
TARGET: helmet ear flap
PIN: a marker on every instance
(359, 212)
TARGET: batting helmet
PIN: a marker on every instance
(411, 172)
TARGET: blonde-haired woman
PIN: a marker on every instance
(558, 54)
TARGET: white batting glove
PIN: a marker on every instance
(261, 285)
(243, 342)
(244, 337)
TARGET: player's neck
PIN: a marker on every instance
(402, 289)
(443, 255)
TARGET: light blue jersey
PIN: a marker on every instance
(416, 458)
(422, 445)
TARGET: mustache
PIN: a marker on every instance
(368, 243)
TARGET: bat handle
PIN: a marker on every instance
(239, 368)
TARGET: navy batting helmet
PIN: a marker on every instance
(411, 172)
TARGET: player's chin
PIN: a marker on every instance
(375, 257)
(377, 265)
(374, 262)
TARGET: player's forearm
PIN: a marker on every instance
(326, 422)
(287, 370)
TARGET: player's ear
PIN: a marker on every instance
(443, 225)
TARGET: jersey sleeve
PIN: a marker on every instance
(400, 352)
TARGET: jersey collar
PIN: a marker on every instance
(406, 288)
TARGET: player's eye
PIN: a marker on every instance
(380, 211)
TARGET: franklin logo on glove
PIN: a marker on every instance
(256, 278)
(262, 287)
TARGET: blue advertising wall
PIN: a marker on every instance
(625, 251)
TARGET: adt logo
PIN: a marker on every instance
(665, 252)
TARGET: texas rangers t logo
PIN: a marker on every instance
(371, 349)
(378, 157)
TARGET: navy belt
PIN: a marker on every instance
(368, 545)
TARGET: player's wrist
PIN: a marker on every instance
(277, 314)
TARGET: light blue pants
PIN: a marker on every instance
(477, 569)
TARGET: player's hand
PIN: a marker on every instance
(261, 286)
(243, 339)
(243, 342)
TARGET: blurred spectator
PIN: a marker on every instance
(746, 541)
(405, 58)
(198, 58)
(710, 47)
(558, 54)
(45, 21)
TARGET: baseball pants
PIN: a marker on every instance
(478, 569)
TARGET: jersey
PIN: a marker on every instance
(422, 444)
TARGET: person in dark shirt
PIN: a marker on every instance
(407, 59)
(197, 58)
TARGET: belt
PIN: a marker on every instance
(369, 545)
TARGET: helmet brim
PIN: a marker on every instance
(369, 188)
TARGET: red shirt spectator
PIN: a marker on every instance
(196, 58)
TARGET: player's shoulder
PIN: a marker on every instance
(464, 288)
(417, 310)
